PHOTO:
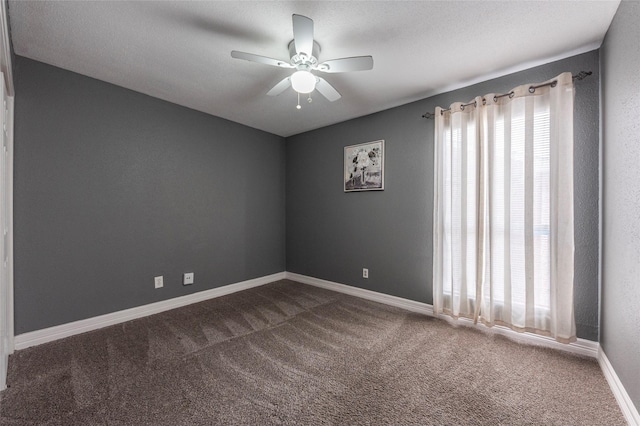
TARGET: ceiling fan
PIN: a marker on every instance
(303, 52)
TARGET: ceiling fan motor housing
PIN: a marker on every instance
(302, 59)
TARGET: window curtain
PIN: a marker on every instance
(503, 209)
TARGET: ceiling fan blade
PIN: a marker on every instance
(260, 59)
(303, 34)
(357, 63)
(327, 90)
(280, 87)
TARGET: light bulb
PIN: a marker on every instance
(303, 81)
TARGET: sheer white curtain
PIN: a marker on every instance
(503, 209)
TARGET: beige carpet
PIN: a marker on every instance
(287, 353)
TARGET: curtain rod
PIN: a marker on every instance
(580, 76)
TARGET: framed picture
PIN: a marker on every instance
(364, 167)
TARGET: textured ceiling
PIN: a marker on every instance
(180, 51)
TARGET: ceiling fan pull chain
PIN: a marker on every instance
(309, 99)
(298, 107)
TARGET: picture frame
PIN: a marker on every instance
(364, 167)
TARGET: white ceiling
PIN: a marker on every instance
(180, 51)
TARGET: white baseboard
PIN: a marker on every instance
(409, 305)
(580, 347)
(33, 338)
(39, 337)
(627, 406)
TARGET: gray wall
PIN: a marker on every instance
(333, 235)
(113, 187)
(620, 336)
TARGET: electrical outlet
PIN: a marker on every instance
(365, 273)
(187, 278)
(158, 281)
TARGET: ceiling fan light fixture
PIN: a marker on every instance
(303, 81)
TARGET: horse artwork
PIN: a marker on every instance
(364, 167)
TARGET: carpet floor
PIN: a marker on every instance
(288, 353)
